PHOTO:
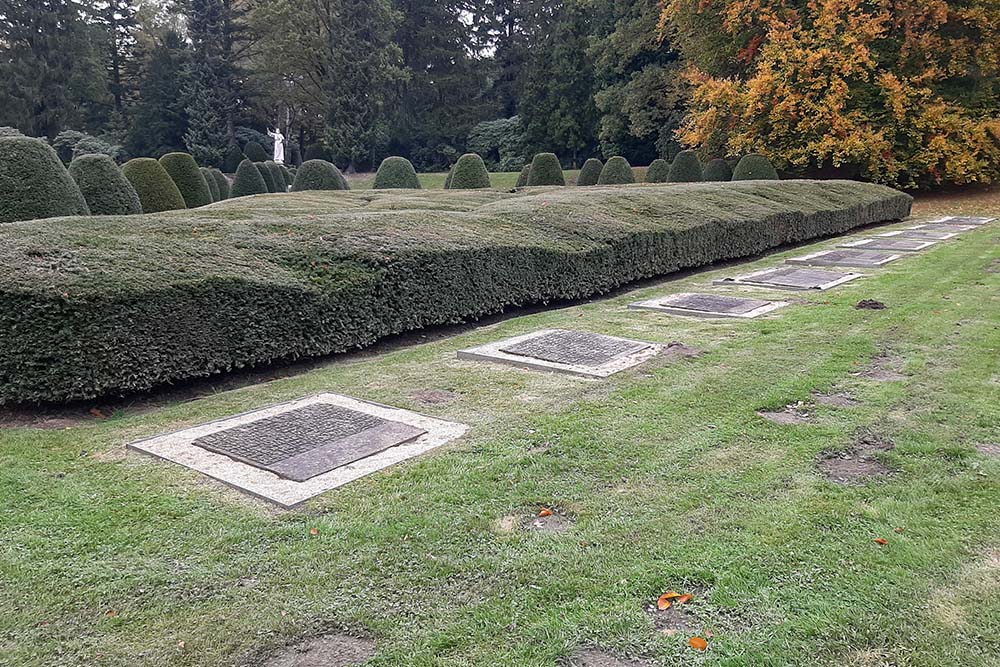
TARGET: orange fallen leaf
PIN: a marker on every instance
(898, 530)
(881, 540)
(545, 512)
(314, 531)
(687, 597)
(698, 643)
(663, 602)
(111, 613)
(97, 413)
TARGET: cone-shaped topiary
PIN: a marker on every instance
(213, 187)
(266, 175)
(255, 152)
(318, 175)
(248, 181)
(156, 190)
(469, 173)
(590, 173)
(447, 180)
(396, 172)
(231, 161)
(34, 183)
(546, 170)
(103, 185)
(222, 183)
(184, 170)
(658, 171)
(616, 171)
(276, 176)
(754, 167)
(287, 175)
(686, 168)
(718, 170)
(522, 178)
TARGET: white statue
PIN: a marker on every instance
(279, 145)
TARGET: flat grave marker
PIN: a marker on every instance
(792, 278)
(846, 257)
(944, 227)
(965, 220)
(926, 234)
(900, 244)
(709, 305)
(579, 353)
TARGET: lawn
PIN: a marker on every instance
(502, 179)
(665, 475)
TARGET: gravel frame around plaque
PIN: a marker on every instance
(674, 304)
(180, 447)
(634, 352)
(897, 244)
(862, 259)
(760, 279)
(927, 235)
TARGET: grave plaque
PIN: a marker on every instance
(709, 305)
(899, 244)
(793, 278)
(925, 234)
(966, 220)
(846, 257)
(577, 348)
(946, 226)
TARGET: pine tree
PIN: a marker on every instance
(160, 120)
(120, 25)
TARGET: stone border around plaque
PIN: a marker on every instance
(944, 227)
(424, 434)
(684, 304)
(899, 244)
(822, 280)
(965, 220)
(928, 235)
(634, 352)
(868, 259)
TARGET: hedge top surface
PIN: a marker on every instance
(277, 176)
(658, 172)
(590, 173)
(248, 181)
(686, 168)
(546, 170)
(617, 171)
(522, 178)
(718, 170)
(213, 187)
(221, 183)
(255, 152)
(268, 177)
(185, 173)
(104, 186)
(34, 183)
(754, 167)
(396, 172)
(318, 175)
(469, 173)
(156, 190)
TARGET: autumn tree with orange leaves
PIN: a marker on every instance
(903, 92)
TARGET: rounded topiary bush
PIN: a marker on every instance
(469, 173)
(34, 183)
(104, 186)
(287, 175)
(184, 170)
(754, 167)
(248, 181)
(616, 171)
(267, 176)
(255, 152)
(277, 177)
(522, 178)
(213, 187)
(686, 168)
(396, 172)
(318, 175)
(546, 170)
(718, 170)
(233, 157)
(156, 190)
(221, 183)
(590, 173)
(658, 171)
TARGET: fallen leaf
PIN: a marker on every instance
(898, 530)
(545, 512)
(97, 413)
(111, 613)
(314, 531)
(181, 645)
(709, 634)
(687, 597)
(663, 602)
(881, 540)
(698, 643)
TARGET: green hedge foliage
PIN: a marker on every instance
(718, 170)
(156, 190)
(34, 183)
(616, 171)
(754, 167)
(319, 175)
(287, 175)
(546, 170)
(590, 173)
(686, 168)
(248, 181)
(104, 186)
(658, 171)
(255, 152)
(213, 187)
(233, 157)
(265, 173)
(184, 171)
(522, 178)
(469, 173)
(153, 303)
(396, 172)
(221, 183)
(277, 176)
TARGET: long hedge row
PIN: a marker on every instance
(94, 306)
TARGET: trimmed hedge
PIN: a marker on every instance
(34, 183)
(277, 176)
(185, 173)
(658, 171)
(754, 167)
(469, 173)
(221, 183)
(287, 175)
(213, 187)
(319, 175)
(268, 177)
(103, 185)
(718, 170)
(686, 168)
(154, 303)
(616, 171)
(396, 172)
(156, 190)
(590, 173)
(546, 170)
(255, 152)
(522, 178)
(232, 159)
(447, 179)
(248, 181)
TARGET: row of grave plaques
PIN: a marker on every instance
(291, 452)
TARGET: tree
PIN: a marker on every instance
(160, 119)
(119, 21)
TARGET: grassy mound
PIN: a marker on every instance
(754, 167)
(248, 181)
(686, 168)
(157, 191)
(546, 170)
(221, 183)
(213, 187)
(718, 170)
(396, 172)
(192, 293)
(469, 173)
(318, 175)
(522, 178)
(34, 183)
(185, 173)
(658, 171)
(590, 173)
(616, 171)
(103, 185)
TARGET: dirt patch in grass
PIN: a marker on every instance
(885, 368)
(546, 520)
(991, 449)
(793, 413)
(677, 350)
(836, 400)
(994, 266)
(870, 304)
(595, 657)
(434, 396)
(859, 464)
(332, 650)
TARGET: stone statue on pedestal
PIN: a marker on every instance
(279, 145)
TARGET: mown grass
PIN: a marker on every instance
(502, 180)
(674, 483)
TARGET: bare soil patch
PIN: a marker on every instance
(794, 413)
(885, 368)
(678, 350)
(595, 657)
(870, 304)
(859, 464)
(546, 520)
(989, 449)
(434, 396)
(836, 400)
(332, 650)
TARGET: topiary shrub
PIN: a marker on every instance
(686, 168)
(255, 152)
(248, 181)
(233, 157)
(546, 170)
(315, 152)
(184, 170)
(318, 175)
(277, 177)
(447, 180)
(522, 178)
(103, 185)
(267, 176)
(469, 173)
(222, 183)
(754, 167)
(718, 170)
(213, 187)
(157, 191)
(287, 175)
(34, 183)
(617, 171)
(590, 173)
(658, 172)
(396, 172)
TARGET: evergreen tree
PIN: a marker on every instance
(160, 120)
(120, 25)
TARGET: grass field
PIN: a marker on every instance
(502, 180)
(666, 476)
